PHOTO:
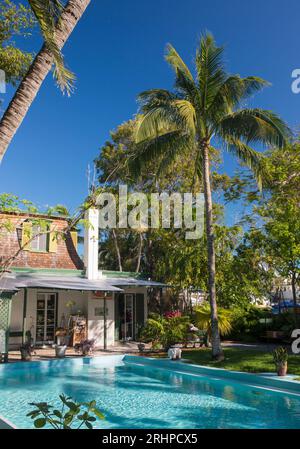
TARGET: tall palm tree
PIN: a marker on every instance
(56, 23)
(201, 111)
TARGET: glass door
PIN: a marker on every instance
(124, 317)
(129, 322)
(46, 318)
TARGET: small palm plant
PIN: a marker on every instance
(203, 320)
(280, 357)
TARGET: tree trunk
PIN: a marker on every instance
(217, 352)
(36, 74)
(294, 292)
(117, 250)
(139, 257)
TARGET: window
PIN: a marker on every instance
(40, 242)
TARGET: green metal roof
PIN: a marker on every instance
(122, 274)
(58, 271)
(68, 272)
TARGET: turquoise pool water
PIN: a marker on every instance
(134, 396)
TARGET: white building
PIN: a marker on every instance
(48, 287)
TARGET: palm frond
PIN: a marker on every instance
(47, 13)
(255, 125)
(184, 81)
(232, 92)
(173, 58)
(175, 114)
(210, 69)
(203, 319)
(251, 158)
(187, 112)
(164, 147)
(153, 98)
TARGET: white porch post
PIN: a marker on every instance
(91, 238)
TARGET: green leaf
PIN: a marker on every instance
(39, 423)
(57, 413)
(98, 413)
(91, 419)
(72, 406)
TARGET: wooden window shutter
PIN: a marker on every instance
(52, 240)
(26, 235)
(74, 237)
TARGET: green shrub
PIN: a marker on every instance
(286, 322)
(165, 332)
(245, 323)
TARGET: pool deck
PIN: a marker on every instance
(125, 348)
(49, 353)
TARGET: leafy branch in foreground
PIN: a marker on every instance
(72, 414)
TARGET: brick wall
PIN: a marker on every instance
(65, 256)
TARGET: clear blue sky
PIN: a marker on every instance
(117, 51)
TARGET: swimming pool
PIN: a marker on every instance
(140, 396)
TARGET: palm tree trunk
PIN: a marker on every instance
(117, 250)
(294, 292)
(139, 257)
(217, 352)
(36, 74)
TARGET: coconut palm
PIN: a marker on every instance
(202, 111)
(56, 23)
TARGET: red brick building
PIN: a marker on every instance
(51, 250)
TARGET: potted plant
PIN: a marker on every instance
(60, 351)
(280, 357)
(141, 347)
(61, 346)
(27, 350)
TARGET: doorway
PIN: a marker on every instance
(129, 315)
(46, 318)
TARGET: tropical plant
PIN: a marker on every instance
(72, 415)
(200, 112)
(280, 355)
(165, 331)
(203, 319)
(246, 324)
(153, 331)
(56, 23)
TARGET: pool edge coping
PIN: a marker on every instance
(5, 424)
(261, 380)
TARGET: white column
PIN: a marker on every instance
(91, 241)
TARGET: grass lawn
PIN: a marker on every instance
(242, 359)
